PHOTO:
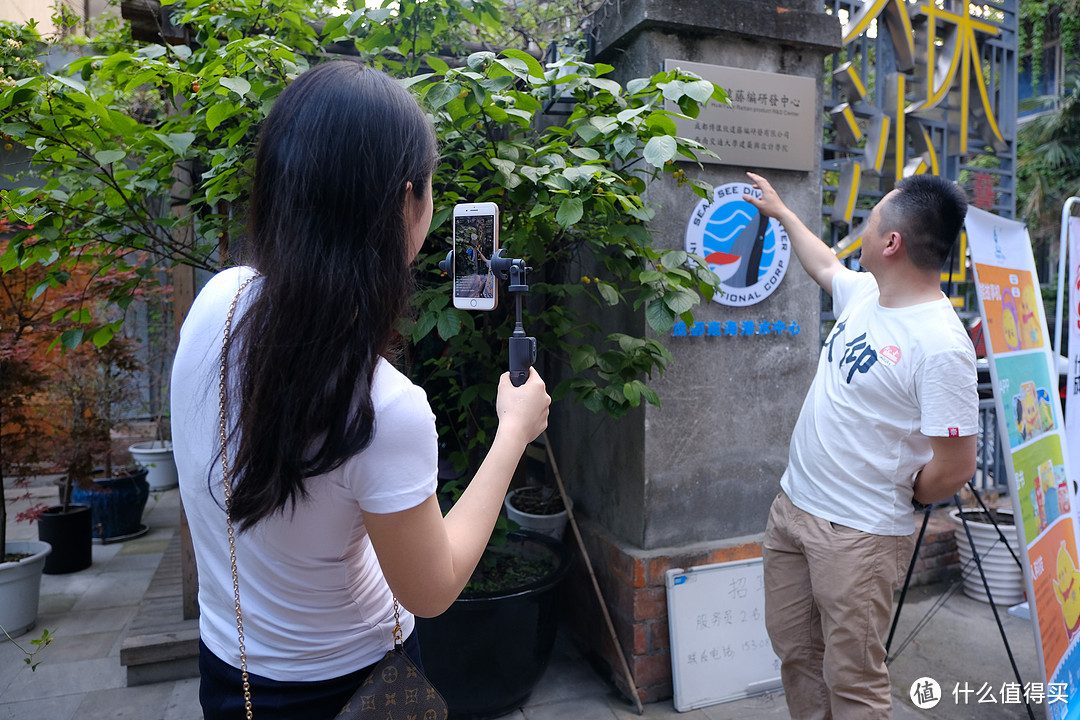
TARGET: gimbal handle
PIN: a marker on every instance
(515, 272)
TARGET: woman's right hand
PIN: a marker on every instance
(523, 411)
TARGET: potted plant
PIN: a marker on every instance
(537, 505)
(486, 653)
(93, 389)
(21, 562)
(156, 455)
(491, 646)
(999, 562)
(63, 397)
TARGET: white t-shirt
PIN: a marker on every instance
(314, 600)
(887, 378)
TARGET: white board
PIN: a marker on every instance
(720, 650)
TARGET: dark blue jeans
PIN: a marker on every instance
(221, 690)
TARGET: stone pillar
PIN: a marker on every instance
(690, 483)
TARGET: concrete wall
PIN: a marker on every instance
(705, 465)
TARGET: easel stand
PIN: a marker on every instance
(982, 574)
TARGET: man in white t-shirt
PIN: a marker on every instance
(891, 416)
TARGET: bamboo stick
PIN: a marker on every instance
(592, 576)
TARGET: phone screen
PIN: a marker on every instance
(474, 245)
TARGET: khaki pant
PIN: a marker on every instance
(828, 604)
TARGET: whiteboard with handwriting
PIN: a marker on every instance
(720, 650)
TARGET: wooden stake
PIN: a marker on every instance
(592, 576)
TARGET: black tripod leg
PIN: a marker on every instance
(1001, 535)
(993, 606)
(907, 580)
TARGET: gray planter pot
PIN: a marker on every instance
(20, 586)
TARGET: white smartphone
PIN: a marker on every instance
(476, 238)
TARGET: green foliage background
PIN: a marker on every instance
(148, 147)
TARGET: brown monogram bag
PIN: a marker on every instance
(395, 689)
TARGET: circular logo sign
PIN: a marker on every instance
(747, 250)
(925, 693)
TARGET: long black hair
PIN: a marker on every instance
(328, 235)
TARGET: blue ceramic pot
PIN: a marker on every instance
(116, 504)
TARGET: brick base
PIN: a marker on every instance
(633, 585)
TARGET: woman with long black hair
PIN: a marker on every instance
(332, 452)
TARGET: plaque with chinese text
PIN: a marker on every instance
(770, 122)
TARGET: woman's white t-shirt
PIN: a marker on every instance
(887, 379)
(314, 600)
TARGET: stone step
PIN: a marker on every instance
(160, 644)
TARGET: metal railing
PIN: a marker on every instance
(991, 472)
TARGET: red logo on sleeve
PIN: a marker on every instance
(954, 432)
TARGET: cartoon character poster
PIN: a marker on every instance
(1056, 572)
(1027, 393)
(1009, 297)
(1029, 415)
(1039, 474)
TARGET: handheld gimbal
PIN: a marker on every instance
(522, 347)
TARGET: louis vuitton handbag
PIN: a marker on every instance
(395, 689)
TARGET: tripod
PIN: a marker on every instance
(982, 574)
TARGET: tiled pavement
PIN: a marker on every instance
(80, 676)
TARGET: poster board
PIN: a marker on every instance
(720, 650)
(1024, 376)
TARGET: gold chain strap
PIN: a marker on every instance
(228, 501)
(228, 515)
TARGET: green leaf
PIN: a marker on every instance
(660, 149)
(441, 93)
(604, 84)
(102, 336)
(72, 338)
(238, 85)
(217, 113)
(625, 144)
(637, 85)
(70, 82)
(107, 157)
(570, 211)
(177, 142)
(608, 292)
(449, 324)
(680, 301)
(673, 258)
(582, 358)
(378, 15)
(700, 90)
(659, 317)
(649, 276)
(437, 64)
(587, 154)
(632, 392)
(535, 68)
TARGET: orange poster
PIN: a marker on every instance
(1009, 298)
(1055, 570)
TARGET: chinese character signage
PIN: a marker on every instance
(769, 123)
(919, 87)
(1023, 371)
(748, 251)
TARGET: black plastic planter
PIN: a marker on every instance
(485, 654)
(69, 533)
